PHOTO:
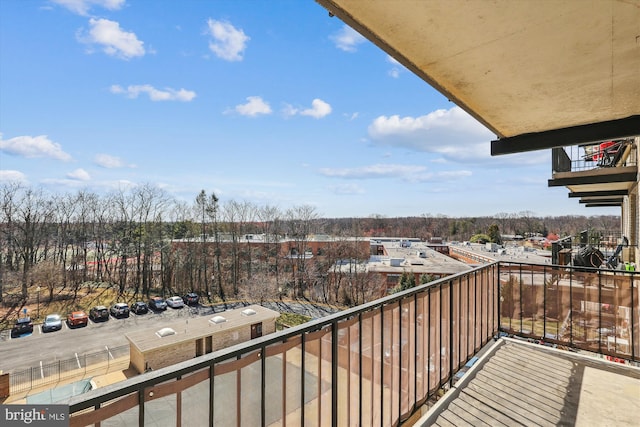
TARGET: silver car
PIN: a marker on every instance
(175, 302)
(53, 322)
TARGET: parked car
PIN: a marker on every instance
(175, 302)
(139, 307)
(191, 298)
(53, 322)
(22, 326)
(77, 318)
(99, 313)
(119, 309)
(157, 303)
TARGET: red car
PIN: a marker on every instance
(77, 318)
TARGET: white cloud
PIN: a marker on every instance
(347, 39)
(374, 171)
(255, 105)
(167, 94)
(397, 67)
(228, 42)
(318, 110)
(79, 175)
(408, 173)
(443, 176)
(33, 147)
(12, 176)
(347, 189)
(452, 133)
(114, 41)
(107, 161)
(82, 7)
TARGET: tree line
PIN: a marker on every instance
(125, 239)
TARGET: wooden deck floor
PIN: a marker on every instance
(526, 384)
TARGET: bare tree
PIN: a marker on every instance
(271, 226)
(30, 213)
(208, 206)
(299, 225)
(259, 288)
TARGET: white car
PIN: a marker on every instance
(175, 302)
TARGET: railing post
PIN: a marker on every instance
(415, 348)
(334, 374)
(141, 406)
(498, 297)
(360, 368)
(571, 271)
(544, 303)
(302, 376)
(600, 311)
(212, 393)
(381, 364)
(451, 323)
(263, 385)
(633, 329)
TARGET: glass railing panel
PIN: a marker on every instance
(278, 404)
(293, 381)
(250, 393)
(314, 378)
(557, 299)
(445, 332)
(123, 411)
(326, 377)
(464, 343)
(225, 394)
(436, 353)
(377, 349)
(391, 362)
(615, 329)
(160, 411)
(194, 400)
(408, 357)
(421, 346)
(367, 368)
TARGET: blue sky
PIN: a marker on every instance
(271, 102)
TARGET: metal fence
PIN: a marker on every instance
(371, 365)
(581, 308)
(376, 364)
(99, 362)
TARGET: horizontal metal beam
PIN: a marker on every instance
(602, 205)
(575, 135)
(593, 179)
(603, 201)
(599, 193)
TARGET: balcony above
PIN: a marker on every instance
(601, 174)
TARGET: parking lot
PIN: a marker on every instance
(42, 348)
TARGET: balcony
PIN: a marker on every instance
(378, 363)
(600, 174)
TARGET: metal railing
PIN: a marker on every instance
(589, 309)
(378, 363)
(576, 158)
(95, 363)
(373, 364)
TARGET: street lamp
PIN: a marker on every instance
(38, 312)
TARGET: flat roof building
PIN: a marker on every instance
(158, 347)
